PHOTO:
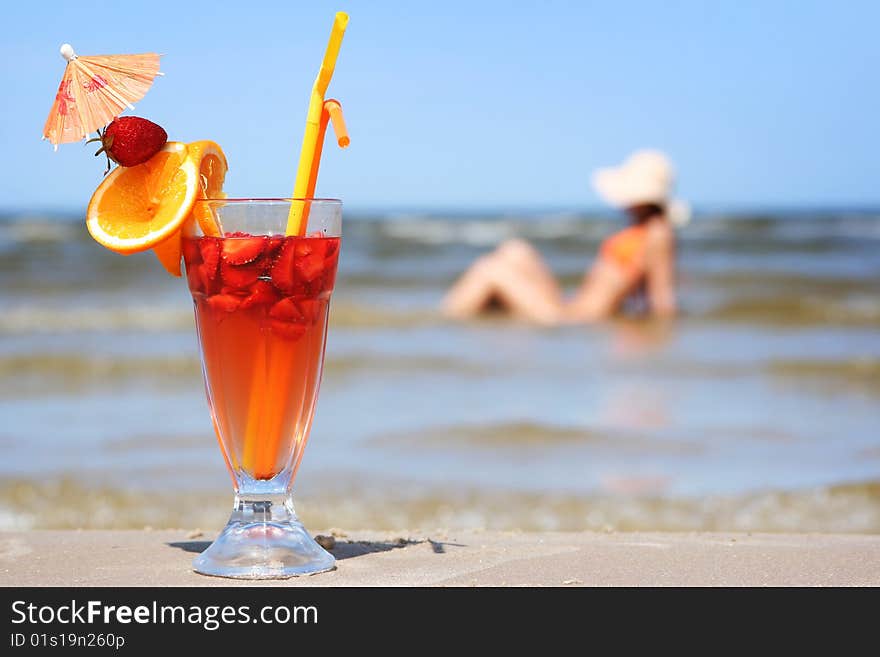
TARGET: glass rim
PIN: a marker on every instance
(268, 201)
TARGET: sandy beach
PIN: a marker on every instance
(467, 558)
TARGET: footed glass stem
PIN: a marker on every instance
(263, 540)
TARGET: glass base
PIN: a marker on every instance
(263, 540)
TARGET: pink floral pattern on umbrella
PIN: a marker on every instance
(95, 83)
(63, 98)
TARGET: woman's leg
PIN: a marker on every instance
(602, 292)
(472, 291)
(516, 275)
(524, 257)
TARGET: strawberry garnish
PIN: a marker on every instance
(130, 140)
(241, 250)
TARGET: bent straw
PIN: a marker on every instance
(295, 223)
(332, 112)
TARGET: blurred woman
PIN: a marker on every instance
(638, 261)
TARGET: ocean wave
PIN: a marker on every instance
(39, 319)
(852, 310)
(39, 373)
(26, 319)
(488, 232)
(858, 374)
(37, 229)
(788, 310)
(788, 284)
(515, 436)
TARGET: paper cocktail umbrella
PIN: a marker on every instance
(95, 90)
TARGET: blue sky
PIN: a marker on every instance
(477, 104)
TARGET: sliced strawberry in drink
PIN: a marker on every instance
(287, 320)
(286, 310)
(210, 249)
(307, 246)
(262, 293)
(332, 246)
(239, 277)
(283, 275)
(309, 260)
(310, 308)
(210, 280)
(242, 250)
(329, 280)
(192, 254)
(273, 244)
(224, 302)
(330, 262)
(288, 330)
(310, 267)
(194, 276)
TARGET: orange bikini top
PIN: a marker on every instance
(626, 248)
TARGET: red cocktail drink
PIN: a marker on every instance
(261, 306)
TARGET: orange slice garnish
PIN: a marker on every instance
(211, 163)
(212, 173)
(136, 208)
(170, 252)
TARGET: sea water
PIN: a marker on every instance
(758, 409)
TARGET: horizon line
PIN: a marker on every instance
(523, 208)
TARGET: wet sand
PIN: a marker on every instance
(467, 558)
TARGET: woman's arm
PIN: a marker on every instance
(660, 269)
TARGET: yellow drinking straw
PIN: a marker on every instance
(295, 223)
(260, 455)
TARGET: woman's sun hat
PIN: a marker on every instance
(646, 176)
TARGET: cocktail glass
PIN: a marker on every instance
(261, 305)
